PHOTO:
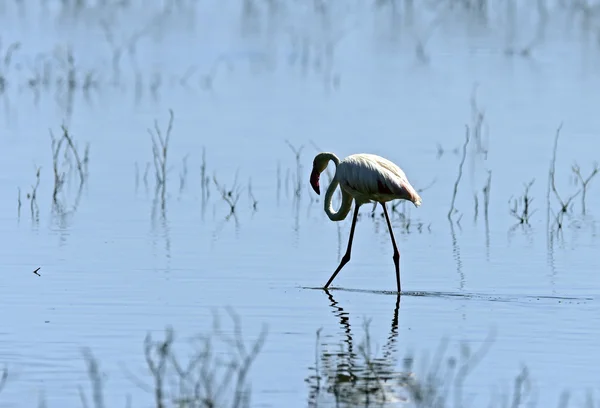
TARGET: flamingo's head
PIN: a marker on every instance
(319, 165)
(314, 181)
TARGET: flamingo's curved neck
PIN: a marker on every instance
(346, 205)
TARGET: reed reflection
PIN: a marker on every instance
(353, 373)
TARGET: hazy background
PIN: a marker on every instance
(249, 82)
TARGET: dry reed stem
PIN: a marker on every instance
(526, 200)
(584, 182)
(230, 196)
(564, 205)
(160, 148)
(460, 170)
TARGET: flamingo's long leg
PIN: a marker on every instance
(396, 252)
(346, 256)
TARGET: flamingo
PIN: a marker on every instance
(363, 178)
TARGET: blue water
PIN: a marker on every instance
(115, 265)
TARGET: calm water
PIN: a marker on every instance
(114, 266)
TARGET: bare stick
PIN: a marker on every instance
(525, 213)
(460, 167)
(19, 202)
(564, 205)
(160, 148)
(79, 163)
(58, 178)
(183, 174)
(553, 164)
(584, 182)
(33, 195)
(486, 194)
(157, 365)
(251, 195)
(230, 196)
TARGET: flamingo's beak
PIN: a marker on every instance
(314, 181)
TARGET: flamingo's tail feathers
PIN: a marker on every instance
(412, 194)
(417, 200)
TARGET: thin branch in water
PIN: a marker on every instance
(69, 152)
(564, 205)
(33, 195)
(584, 182)
(157, 363)
(460, 169)
(160, 148)
(205, 179)
(230, 196)
(524, 213)
(251, 196)
(183, 174)
(146, 170)
(558, 219)
(96, 380)
(59, 178)
(137, 176)
(297, 153)
(486, 194)
(80, 166)
(19, 202)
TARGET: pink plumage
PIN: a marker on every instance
(363, 178)
(368, 177)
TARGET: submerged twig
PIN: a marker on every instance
(80, 166)
(230, 196)
(524, 202)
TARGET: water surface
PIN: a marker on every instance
(118, 262)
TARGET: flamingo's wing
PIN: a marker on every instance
(372, 177)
